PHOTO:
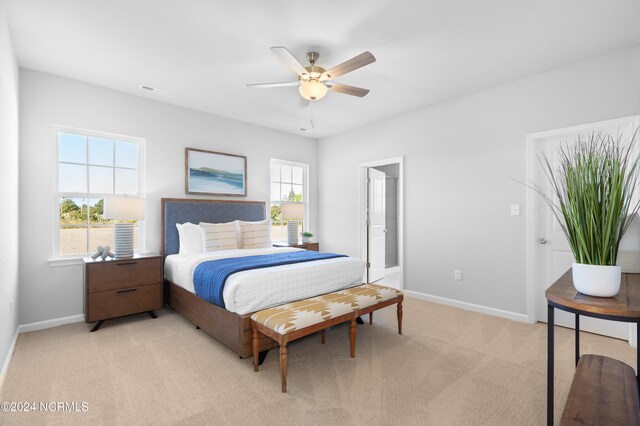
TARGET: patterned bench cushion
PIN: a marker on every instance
(305, 313)
(369, 294)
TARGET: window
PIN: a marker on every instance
(289, 182)
(91, 166)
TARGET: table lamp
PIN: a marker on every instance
(292, 212)
(123, 209)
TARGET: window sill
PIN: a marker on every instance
(71, 261)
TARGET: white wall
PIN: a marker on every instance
(54, 292)
(457, 159)
(9, 189)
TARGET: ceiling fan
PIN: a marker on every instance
(314, 81)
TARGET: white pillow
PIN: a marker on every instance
(255, 234)
(190, 237)
(218, 236)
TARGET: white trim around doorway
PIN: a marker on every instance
(363, 209)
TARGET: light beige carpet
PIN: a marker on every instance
(451, 367)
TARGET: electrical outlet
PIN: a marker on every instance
(457, 275)
(515, 209)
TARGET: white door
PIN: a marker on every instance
(552, 254)
(376, 228)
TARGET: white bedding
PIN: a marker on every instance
(257, 289)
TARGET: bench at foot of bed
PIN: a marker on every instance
(298, 319)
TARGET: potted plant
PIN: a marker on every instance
(593, 186)
(306, 236)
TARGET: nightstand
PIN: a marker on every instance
(306, 246)
(119, 287)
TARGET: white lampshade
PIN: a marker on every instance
(123, 208)
(312, 90)
(293, 211)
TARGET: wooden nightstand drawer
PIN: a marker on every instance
(123, 274)
(312, 246)
(117, 303)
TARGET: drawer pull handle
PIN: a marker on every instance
(126, 263)
(127, 291)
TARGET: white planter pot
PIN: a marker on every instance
(306, 239)
(597, 280)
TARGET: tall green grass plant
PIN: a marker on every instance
(593, 188)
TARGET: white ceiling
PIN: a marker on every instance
(205, 51)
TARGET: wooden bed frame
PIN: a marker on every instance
(229, 328)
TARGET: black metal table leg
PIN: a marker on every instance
(550, 342)
(577, 339)
(638, 353)
(97, 326)
(152, 314)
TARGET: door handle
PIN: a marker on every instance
(542, 240)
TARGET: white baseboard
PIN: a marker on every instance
(468, 306)
(41, 325)
(5, 365)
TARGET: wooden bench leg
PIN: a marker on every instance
(323, 336)
(400, 318)
(370, 317)
(256, 349)
(352, 337)
(283, 365)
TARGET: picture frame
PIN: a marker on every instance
(215, 173)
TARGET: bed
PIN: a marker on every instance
(232, 326)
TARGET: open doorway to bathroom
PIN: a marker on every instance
(391, 264)
(382, 221)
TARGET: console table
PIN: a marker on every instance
(625, 307)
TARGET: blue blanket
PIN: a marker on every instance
(210, 277)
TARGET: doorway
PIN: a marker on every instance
(382, 221)
(549, 255)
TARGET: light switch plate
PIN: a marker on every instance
(515, 209)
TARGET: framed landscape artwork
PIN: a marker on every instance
(215, 173)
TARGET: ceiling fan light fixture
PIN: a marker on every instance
(314, 81)
(312, 90)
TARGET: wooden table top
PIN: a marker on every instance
(626, 304)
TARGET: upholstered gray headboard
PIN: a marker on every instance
(181, 210)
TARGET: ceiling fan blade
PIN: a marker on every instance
(290, 60)
(348, 90)
(269, 85)
(352, 64)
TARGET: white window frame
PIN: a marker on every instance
(63, 260)
(305, 188)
